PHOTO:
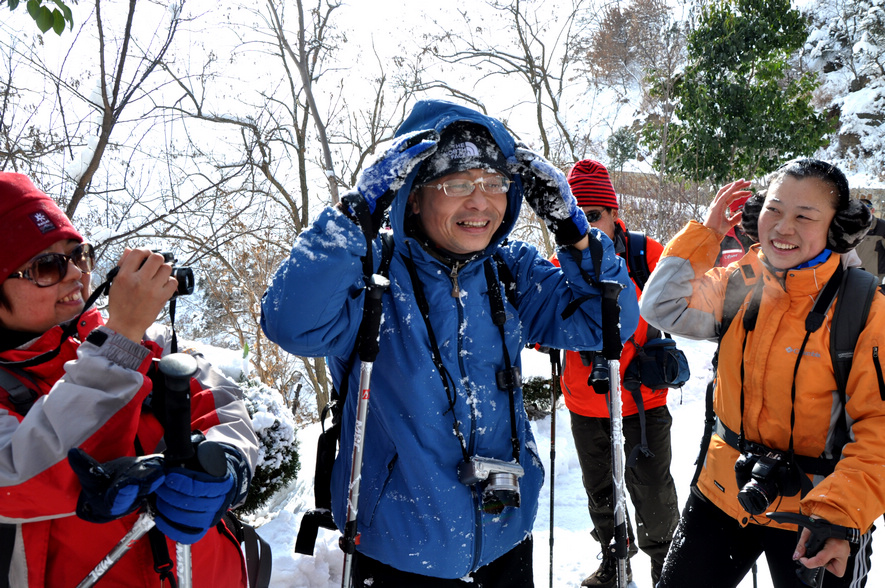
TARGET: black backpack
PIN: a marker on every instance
(637, 258)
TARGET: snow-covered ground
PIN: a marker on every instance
(575, 552)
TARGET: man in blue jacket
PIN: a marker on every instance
(453, 181)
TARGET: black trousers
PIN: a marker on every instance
(511, 570)
(649, 482)
(710, 549)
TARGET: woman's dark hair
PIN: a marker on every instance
(814, 168)
(852, 220)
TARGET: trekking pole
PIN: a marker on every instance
(177, 369)
(555, 373)
(610, 384)
(367, 346)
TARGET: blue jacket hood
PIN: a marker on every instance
(437, 115)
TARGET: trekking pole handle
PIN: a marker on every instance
(821, 530)
(177, 370)
(367, 338)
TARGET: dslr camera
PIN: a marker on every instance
(499, 481)
(183, 275)
(763, 476)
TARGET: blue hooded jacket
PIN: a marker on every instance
(414, 514)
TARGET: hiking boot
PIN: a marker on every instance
(607, 574)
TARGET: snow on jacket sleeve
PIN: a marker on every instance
(96, 406)
(684, 294)
(312, 306)
(544, 291)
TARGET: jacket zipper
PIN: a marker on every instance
(453, 275)
(879, 372)
(477, 505)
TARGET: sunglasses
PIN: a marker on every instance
(49, 269)
(593, 216)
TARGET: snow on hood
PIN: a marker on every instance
(437, 115)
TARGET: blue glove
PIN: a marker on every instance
(191, 502)
(548, 193)
(115, 488)
(378, 184)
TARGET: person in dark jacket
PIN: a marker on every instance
(871, 249)
(75, 421)
(453, 180)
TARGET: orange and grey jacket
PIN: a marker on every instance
(685, 296)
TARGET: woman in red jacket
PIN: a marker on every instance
(89, 394)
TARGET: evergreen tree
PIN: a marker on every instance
(740, 112)
(621, 147)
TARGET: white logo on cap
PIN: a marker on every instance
(463, 150)
(43, 222)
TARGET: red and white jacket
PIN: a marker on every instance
(92, 397)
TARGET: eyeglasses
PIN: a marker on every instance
(461, 188)
(593, 215)
(49, 269)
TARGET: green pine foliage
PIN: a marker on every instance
(621, 147)
(278, 462)
(740, 110)
(536, 397)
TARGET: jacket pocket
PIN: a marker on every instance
(372, 491)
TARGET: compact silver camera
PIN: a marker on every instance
(499, 481)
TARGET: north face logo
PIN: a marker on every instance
(43, 222)
(463, 150)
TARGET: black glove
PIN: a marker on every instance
(115, 488)
(379, 182)
(548, 193)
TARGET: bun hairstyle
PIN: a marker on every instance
(852, 220)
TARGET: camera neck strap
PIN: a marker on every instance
(813, 322)
(69, 329)
(505, 377)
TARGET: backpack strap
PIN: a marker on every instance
(506, 277)
(637, 258)
(328, 441)
(857, 293)
(850, 314)
(20, 394)
(7, 544)
(259, 560)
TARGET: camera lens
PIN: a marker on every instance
(755, 497)
(185, 278)
(501, 490)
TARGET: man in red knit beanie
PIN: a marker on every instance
(645, 415)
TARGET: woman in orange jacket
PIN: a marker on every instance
(776, 400)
